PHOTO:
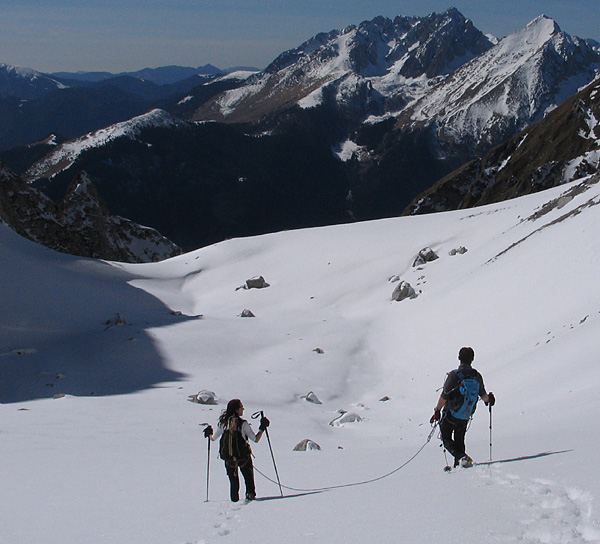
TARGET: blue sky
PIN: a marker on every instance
(122, 35)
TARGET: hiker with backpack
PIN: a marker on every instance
(462, 389)
(234, 433)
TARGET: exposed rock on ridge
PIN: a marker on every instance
(79, 225)
(563, 147)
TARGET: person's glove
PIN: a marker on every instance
(208, 431)
(436, 416)
(491, 399)
(264, 423)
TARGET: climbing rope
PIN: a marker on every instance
(363, 482)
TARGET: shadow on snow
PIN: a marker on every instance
(75, 327)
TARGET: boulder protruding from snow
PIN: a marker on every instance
(204, 397)
(344, 418)
(307, 445)
(403, 291)
(115, 321)
(458, 251)
(311, 397)
(247, 313)
(257, 282)
(426, 255)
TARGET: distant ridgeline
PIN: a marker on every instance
(392, 116)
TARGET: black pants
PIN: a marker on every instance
(247, 470)
(453, 436)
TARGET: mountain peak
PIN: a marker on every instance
(543, 26)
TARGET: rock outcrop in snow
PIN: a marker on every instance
(307, 445)
(403, 291)
(25, 83)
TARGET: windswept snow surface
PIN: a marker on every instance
(128, 464)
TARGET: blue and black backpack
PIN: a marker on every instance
(463, 400)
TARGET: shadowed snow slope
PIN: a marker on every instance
(131, 467)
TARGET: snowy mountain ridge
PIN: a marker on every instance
(515, 83)
(65, 154)
(437, 71)
(394, 58)
(563, 146)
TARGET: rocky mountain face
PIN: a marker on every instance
(562, 147)
(351, 125)
(379, 66)
(410, 100)
(79, 224)
(464, 115)
(201, 183)
(506, 89)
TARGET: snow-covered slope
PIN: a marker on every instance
(515, 83)
(67, 153)
(121, 457)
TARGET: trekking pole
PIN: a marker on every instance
(262, 414)
(490, 432)
(207, 465)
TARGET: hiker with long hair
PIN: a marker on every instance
(234, 448)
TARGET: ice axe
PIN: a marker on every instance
(262, 414)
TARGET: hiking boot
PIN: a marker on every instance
(250, 496)
(466, 462)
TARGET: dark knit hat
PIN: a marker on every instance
(466, 355)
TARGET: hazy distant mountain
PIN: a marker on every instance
(34, 105)
(67, 112)
(25, 83)
(165, 75)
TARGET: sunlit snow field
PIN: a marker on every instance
(121, 456)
